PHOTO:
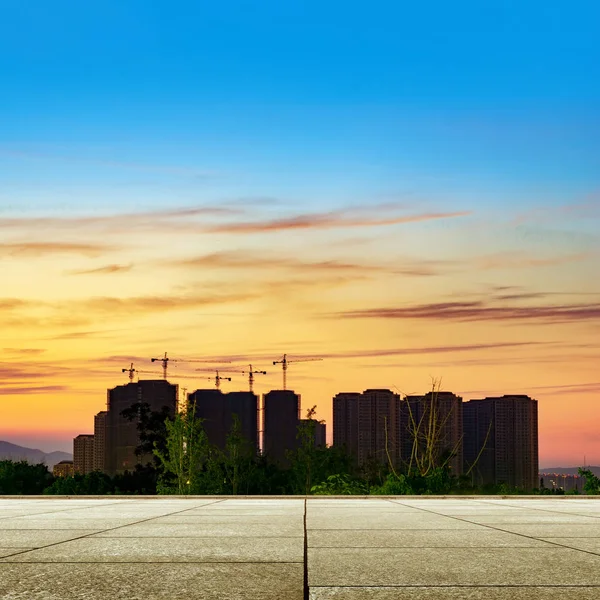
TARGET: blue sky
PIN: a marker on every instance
(127, 103)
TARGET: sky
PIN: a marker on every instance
(408, 191)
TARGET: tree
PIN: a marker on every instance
(22, 478)
(185, 455)
(592, 483)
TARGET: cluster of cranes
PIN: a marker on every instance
(217, 378)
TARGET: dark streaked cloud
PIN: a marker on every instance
(481, 311)
(24, 351)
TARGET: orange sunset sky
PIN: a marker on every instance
(407, 192)
(388, 296)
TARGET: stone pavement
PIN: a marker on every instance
(118, 548)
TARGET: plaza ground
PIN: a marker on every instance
(291, 548)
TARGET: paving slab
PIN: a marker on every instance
(35, 538)
(215, 549)
(460, 566)
(421, 538)
(151, 529)
(157, 581)
(8, 551)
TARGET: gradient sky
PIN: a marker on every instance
(406, 190)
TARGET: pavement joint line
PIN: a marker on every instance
(100, 531)
(461, 585)
(558, 512)
(529, 537)
(306, 590)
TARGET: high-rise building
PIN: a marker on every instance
(345, 421)
(368, 425)
(99, 441)
(83, 454)
(501, 434)
(281, 418)
(437, 417)
(218, 409)
(122, 435)
(320, 432)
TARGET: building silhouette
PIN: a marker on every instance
(438, 416)
(510, 454)
(320, 432)
(64, 468)
(368, 425)
(99, 441)
(281, 418)
(122, 436)
(83, 454)
(217, 411)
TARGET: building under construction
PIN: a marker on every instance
(217, 411)
(121, 434)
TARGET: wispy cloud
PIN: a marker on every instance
(29, 249)
(103, 270)
(481, 311)
(241, 259)
(329, 220)
(42, 389)
(516, 260)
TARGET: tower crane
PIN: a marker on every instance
(131, 371)
(165, 360)
(217, 379)
(251, 374)
(285, 362)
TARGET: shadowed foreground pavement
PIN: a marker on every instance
(295, 549)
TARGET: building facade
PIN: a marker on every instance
(83, 454)
(63, 469)
(122, 436)
(501, 440)
(99, 441)
(367, 425)
(217, 411)
(281, 416)
(435, 420)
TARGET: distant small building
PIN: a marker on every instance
(64, 468)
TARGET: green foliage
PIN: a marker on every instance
(340, 485)
(22, 478)
(185, 456)
(592, 483)
(92, 484)
(395, 485)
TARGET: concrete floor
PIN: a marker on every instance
(296, 549)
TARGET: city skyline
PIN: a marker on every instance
(407, 192)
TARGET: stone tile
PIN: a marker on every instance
(532, 519)
(162, 581)
(8, 551)
(454, 593)
(385, 521)
(35, 538)
(224, 549)
(151, 529)
(461, 566)
(589, 544)
(243, 520)
(546, 530)
(57, 523)
(427, 538)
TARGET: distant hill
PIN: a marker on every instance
(10, 451)
(569, 470)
